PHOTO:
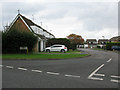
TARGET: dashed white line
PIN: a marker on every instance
(116, 81)
(96, 78)
(115, 76)
(1, 65)
(52, 73)
(109, 60)
(22, 69)
(9, 67)
(36, 71)
(72, 76)
(90, 76)
(100, 75)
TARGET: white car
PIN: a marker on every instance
(55, 48)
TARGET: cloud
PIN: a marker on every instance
(89, 19)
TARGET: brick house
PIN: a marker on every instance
(115, 39)
(103, 41)
(91, 43)
(21, 23)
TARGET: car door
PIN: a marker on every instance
(59, 48)
(53, 48)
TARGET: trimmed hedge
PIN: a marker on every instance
(110, 44)
(63, 41)
(13, 40)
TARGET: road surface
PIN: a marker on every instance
(100, 70)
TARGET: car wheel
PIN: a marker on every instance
(63, 51)
(48, 51)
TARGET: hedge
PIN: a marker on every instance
(13, 40)
(110, 44)
(63, 41)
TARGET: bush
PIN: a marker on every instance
(13, 40)
(73, 46)
(109, 45)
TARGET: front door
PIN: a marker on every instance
(39, 46)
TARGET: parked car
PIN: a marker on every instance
(115, 48)
(55, 48)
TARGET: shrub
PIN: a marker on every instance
(73, 46)
(13, 40)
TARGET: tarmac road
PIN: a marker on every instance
(100, 70)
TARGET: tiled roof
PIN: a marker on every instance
(91, 40)
(115, 38)
(30, 23)
(103, 40)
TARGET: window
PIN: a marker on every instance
(57, 46)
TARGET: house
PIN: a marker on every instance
(102, 42)
(91, 43)
(85, 45)
(115, 39)
(21, 23)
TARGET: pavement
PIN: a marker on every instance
(100, 70)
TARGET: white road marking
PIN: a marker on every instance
(72, 76)
(9, 67)
(116, 81)
(1, 65)
(96, 78)
(115, 76)
(100, 75)
(90, 76)
(36, 71)
(22, 69)
(109, 60)
(52, 73)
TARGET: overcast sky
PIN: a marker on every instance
(90, 19)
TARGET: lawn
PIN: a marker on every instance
(42, 56)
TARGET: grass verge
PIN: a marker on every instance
(68, 52)
(42, 56)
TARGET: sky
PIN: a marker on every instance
(91, 19)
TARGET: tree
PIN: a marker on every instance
(75, 39)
